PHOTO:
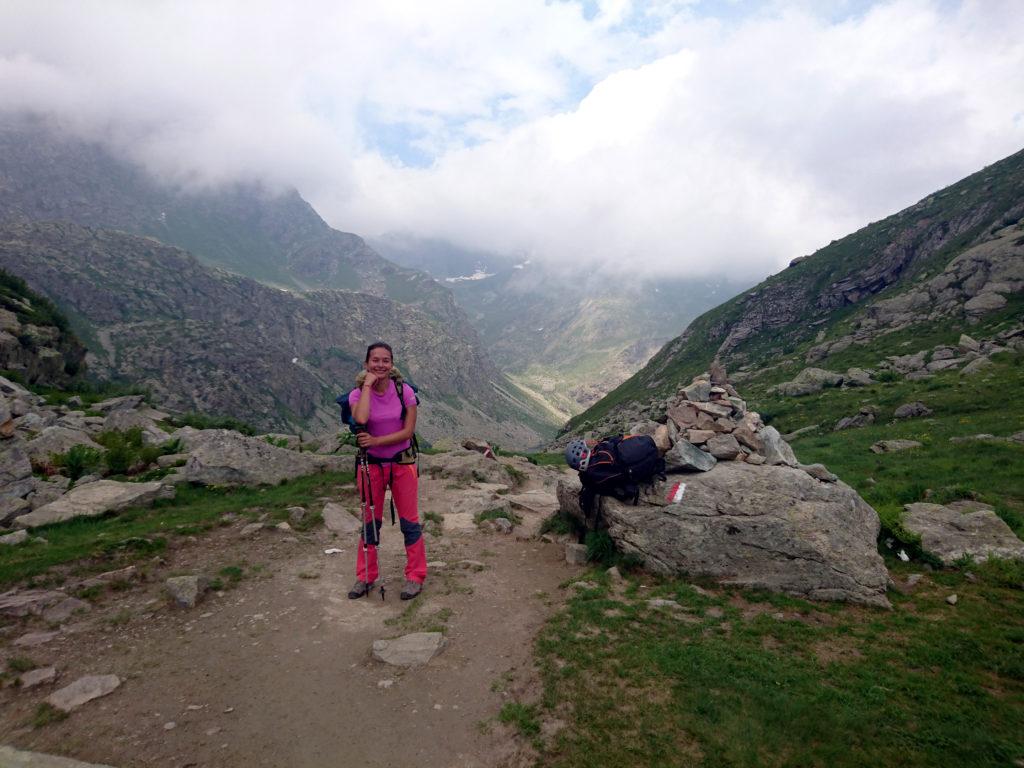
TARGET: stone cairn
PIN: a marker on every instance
(708, 422)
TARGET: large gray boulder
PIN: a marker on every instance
(766, 527)
(93, 499)
(225, 457)
(950, 534)
(466, 467)
(122, 421)
(808, 381)
(57, 440)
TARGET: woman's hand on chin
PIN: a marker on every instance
(371, 379)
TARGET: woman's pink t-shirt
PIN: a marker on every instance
(385, 416)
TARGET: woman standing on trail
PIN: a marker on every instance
(389, 462)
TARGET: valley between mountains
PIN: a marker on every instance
(831, 572)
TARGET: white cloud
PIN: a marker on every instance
(654, 137)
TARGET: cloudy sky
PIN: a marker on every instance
(670, 136)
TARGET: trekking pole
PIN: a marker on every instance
(366, 507)
(367, 483)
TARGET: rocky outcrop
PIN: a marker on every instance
(864, 416)
(56, 439)
(225, 457)
(973, 284)
(94, 499)
(912, 410)
(808, 381)
(951, 534)
(36, 343)
(766, 527)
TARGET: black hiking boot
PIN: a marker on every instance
(359, 589)
(410, 590)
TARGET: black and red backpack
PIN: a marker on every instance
(619, 465)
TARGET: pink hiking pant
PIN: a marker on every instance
(404, 484)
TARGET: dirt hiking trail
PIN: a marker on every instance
(277, 670)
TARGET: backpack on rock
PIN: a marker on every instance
(616, 466)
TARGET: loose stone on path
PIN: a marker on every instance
(411, 650)
(187, 590)
(36, 677)
(83, 690)
(339, 520)
(16, 758)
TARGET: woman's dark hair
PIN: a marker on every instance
(376, 345)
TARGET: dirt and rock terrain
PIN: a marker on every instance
(276, 668)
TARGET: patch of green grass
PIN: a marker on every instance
(523, 717)
(787, 682)
(433, 523)
(19, 664)
(494, 514)
(232, 574)
(46, 714)
(539, 459)
(104, 543)
(558, 523)
(203, 421)
(516, 475)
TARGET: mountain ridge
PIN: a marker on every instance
(212, 341)
(820, 298)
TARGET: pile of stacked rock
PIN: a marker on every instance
(708, 422)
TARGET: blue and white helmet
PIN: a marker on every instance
(577, 455)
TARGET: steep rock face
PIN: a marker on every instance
(35, 340)
(213, 342)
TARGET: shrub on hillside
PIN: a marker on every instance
(80, 460)
(202, 421)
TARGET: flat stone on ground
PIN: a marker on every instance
(891, 446)
(65, 609)
(16, 758)
(35, 638)
(410, 650)
(36, 677)
(29, 601)
(575, 553)
(11, 539)
(186, 591)
(83, 690)
(950, 535)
